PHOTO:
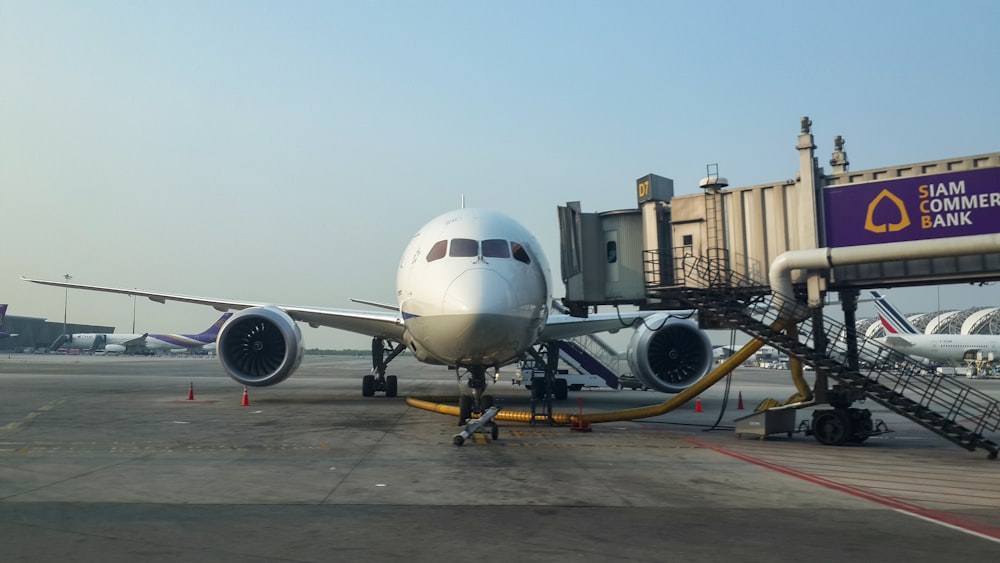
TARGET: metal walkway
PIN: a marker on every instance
(944, 405)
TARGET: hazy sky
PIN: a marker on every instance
(286, 151)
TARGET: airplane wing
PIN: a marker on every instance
(897, 341)
(384, 324)
(138, 341)
(561, 327)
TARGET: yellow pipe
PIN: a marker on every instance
(804, 393)
(677, 400)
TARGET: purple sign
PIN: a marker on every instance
(954, 204)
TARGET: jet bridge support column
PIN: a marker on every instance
(849, 303)
(821, 385)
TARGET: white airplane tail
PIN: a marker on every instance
(892, 320)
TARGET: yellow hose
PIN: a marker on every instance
(804, 392)
(713, 377)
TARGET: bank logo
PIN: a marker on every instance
(890, 199)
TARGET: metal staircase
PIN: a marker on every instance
(598, 349)
(586, 356)
(944, 405)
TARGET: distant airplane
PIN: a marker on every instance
(141, 343)
(3, 315)
(473, 292)
(943, 348)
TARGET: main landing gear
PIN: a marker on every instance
(382, 353)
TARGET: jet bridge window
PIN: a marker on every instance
(437, 251)
(464, 247)
(496, 248)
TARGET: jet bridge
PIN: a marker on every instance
(792, 242)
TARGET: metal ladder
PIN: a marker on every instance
(944, 405)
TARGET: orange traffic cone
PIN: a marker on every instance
(191, 391)
(697, 405)
(246, 399)
(739, 404)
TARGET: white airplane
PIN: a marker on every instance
(115, 343)
(943, 348)
(472, 292)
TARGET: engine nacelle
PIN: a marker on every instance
(260, 346)
(669, 354)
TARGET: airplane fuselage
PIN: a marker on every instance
(473, 289)
(86, 341)
(175, 341)
(954, 348)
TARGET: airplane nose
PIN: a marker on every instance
(479, 291)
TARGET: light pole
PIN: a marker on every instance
(66, 277)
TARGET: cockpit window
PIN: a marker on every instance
(462, 247)
(520, 253)
(469, 248)
(496, 248)
(437, 251)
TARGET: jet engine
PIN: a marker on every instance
(260, 346)
(669, 354)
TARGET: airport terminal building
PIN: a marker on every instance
(34, 333)
(977, 320)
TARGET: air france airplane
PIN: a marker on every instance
(472, 292)
(143, 343)
(945, 348)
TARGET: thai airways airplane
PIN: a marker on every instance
(473, 292)
(3, 315)
(141, 343)
(945, 348)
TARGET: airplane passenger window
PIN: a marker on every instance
(437, 251)
(520, 253)
(464, 247)
(496, 248)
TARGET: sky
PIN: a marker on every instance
(285, 152)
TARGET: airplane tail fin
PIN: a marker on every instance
(3, 314)
(214, 329)
(892, 320)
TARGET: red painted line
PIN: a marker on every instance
(932, 515)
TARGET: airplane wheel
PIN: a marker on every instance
(831, 427)
(562, 390)
(368, 385)
(464, 409)
(391, 383)
(486, 402)
(495, 432)
(861, 425)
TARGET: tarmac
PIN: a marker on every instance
(106, 459)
